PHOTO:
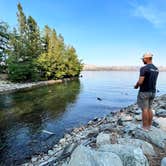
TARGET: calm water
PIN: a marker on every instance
(59, 108)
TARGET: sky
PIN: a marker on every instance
(103, 32)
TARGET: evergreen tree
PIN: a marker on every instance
(4, 45)
(33, 37)
(26, 48)
(73, 65)
(50, 60)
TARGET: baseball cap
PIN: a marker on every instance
(147, 55)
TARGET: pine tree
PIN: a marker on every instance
(33, 37)
(4, 45)
(26, 47)
(73, 64)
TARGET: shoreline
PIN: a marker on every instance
(117, 130)
(9, 87)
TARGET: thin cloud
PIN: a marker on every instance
(151, 12)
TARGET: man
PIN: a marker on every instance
(147, 89)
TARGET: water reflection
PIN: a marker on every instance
(24, 116)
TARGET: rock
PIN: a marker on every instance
(34, 159)
(120, 122)
(161, 112)
(136, 111)
(121, 110)
(154, 112)
(92, 132)
(69, 148)
(106, 127)
(163, 162)
(155, 124)
(156, 136)
(161, 122)
(125, 118)
(76, 130)
(95, 119)
(163, 105)
(103, 139)
(130, 155)
(62, 141)
(129, 127)
(46, 157)
(88, 141)
(90, 122)
(51, 152)
(85, 156)
(146, 147)
(138, 117)
(111, 119)
(59, 154)
(50, 161)
(67, 136)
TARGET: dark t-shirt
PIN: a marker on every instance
(150, 72)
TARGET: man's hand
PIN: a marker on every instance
(136, 86)
(140, 82)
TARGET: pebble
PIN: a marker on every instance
(62, 141)
(46, 157)
(138, 117)
(51, 152)
(34, 159)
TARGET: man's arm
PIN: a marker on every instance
(140, 82)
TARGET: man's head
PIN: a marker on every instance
(147, 58)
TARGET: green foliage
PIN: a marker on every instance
(74, 66)
(22, 71)
(35, 56)
(26, 47)
(4, 38)
(58, 60)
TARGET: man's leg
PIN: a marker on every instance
(145, 118)
(142, 102)
(150, 116)
(150, 112)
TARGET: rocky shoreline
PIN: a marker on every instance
(9, 87)
(116, 139)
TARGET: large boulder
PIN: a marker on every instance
(103, 139)
(85, 156)
(161, 122)
(146, 147)
(163, 162)
(155, 135)
(161, 112)
(130, 155)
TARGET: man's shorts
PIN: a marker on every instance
(145, 99)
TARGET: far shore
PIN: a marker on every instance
(116, 68)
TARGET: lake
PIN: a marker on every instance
(60, 107)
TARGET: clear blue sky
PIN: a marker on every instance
(104, 32)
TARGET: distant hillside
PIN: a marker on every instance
(88, 67)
